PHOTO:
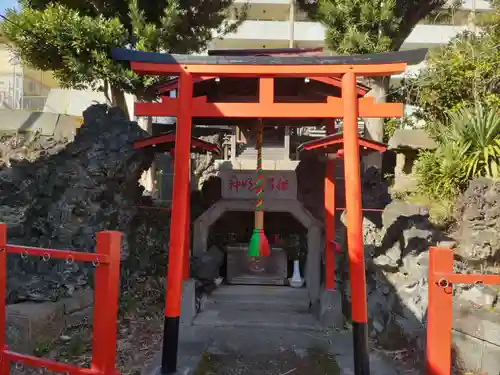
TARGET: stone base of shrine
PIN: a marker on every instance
(190, 355)
(330, 309)
(188, 302)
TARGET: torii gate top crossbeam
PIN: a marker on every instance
(379, 64)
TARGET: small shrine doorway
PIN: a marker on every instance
(280, 194)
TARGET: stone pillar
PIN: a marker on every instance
(287, 143)
(330, 309)
(200, 237)
(400, 164)
(188, 302)
(148, 177)
(313, 264)
(233, 146)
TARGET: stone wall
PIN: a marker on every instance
(58, 193)
(478, 215)
(31, 326)
(43, 123)
(476, 336)
(397, 260)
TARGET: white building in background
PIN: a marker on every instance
(280, 24)
(273, 23)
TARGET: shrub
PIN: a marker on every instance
(469, 147)
(476, 130)
(441, 173)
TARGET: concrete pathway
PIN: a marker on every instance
(266, 331)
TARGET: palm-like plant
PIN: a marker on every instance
(441, 173)
(476, 132)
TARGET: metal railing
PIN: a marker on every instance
(441, 279)
(106, 261)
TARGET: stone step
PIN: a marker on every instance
(259, 298)
(261, 290)
(257, 303)
(268, 153)
(257, 319)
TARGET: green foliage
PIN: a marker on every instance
(368, 26)
(477, 132)
(360, 26)
(469, 148)
(393, 124)
(75, 47)
(458, 94)
(458, 74)
(74, 38)
(441, 174)
(440, 210)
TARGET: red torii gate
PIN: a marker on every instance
(348, 107)
(332, 145)
(166, 143)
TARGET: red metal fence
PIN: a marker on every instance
(106, 260)
(440, 312)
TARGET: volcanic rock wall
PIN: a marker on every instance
(478, 215)
(58, 194)
(397, 255)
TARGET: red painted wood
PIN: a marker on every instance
(180, 192)
(353, 200)
(439, 314)
(106, 292)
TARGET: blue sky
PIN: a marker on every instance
(5, 4)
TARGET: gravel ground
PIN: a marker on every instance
(314, 362)
(139, 335)
(139, 339)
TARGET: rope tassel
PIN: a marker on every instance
(259, 245)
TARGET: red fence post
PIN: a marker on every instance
(439, 313)
(106, 290)
(4, 362)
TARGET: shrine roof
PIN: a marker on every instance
(165, 142)
(318, 51)
(331, 144)
(409, 56)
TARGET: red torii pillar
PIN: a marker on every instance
(354, 216)
(332, 145)
(188, 220)
(166, 142)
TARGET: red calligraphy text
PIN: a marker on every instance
(237, 184)
(279, 184)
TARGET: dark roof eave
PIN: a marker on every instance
(169, 139)
(408, 56)
(335, 142)
(266, 51)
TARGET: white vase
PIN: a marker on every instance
(296, 281)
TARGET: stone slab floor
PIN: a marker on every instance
(245, 351)
(253, 351)
(266, 331)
